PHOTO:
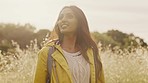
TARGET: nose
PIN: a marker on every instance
(64, 19)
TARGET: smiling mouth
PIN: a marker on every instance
(64, 26)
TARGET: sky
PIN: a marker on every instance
(128, 16)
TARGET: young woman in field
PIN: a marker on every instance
(75, 58)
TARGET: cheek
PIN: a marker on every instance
(74, 25)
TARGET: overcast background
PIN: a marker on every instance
(129, 16)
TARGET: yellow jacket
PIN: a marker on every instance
(62, 69)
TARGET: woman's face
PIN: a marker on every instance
(67, 22)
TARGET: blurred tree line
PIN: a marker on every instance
(117, 38)
(23, 34)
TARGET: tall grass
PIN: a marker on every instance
(126, 67)
(120, 66)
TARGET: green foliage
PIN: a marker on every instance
(41, 34)
(104, 39)
(5, 45)
(21, 34)
(118, 38)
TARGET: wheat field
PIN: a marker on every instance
(120, 66)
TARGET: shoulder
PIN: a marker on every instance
(51, 42)
(43, 52)
(91, 52)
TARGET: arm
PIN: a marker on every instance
(41, 69)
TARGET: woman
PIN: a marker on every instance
(76, 56)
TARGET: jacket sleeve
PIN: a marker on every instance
(41, 68)
(102, 78)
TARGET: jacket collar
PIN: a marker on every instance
(58, 56)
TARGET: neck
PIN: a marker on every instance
(69, 43)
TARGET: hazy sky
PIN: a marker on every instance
(129, 16)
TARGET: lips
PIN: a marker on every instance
(63, 26)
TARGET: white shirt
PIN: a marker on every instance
(79, 67)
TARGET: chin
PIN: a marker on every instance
(65, 32)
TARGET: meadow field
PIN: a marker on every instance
(120, 66)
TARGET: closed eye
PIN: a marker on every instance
(68, 16)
